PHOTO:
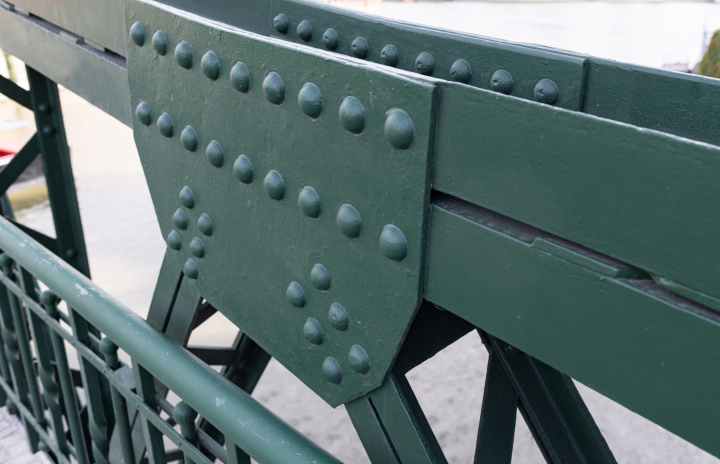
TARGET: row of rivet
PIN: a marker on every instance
(393, 243)
(399, 128)
(545, 91)
(180, 221)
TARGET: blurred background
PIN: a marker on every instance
(125, 246)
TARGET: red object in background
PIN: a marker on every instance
(10, 148)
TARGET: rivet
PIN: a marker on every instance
(240, 77)
(243, 169)
(210, 65)
(352, 115)
(310, 100)
(48, 130)
(389, 55)
(174, 241)
(348, 220)
(393, 243)
(425, 63)
(359, 47)
(281, 23)
(70, 253)
(339, 317)
(184, 55)
(159, 43)
(165, 124)
(43, 447)
(215, 154)
(180, 219)
(546, 91)
(137, 32)
(331, 370)
(399, 128)
(295, 294)
(274, 88)
(359, 359)
(143, 113)
(309, 202)
(501, 81)
(460, 71)
(331, 39)
(304, 30)
(205, 224)
(197, 247)
(320, 277)
(274, 185)
(313, 331)
(44, 108)
(187, 198)
(189, 138)
(191, 269)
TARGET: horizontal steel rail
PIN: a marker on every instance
(243, 420)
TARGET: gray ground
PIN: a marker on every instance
(126, 249)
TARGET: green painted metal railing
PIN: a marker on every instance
(243, 421)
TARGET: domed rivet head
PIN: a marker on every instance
(309, 202)
(359, 359)
(274, 88)
(189, 139)
(348, 220)
(313, 331)
(352, 115)
(274, 185)
(143, 113)
(174, 241)
(501, 81)
(338, 317)
(205, 224)
(240, 77)
(331, 370)
(295, 294)
(393, 243)
(159, 43)
(320, 277)
(243, 169)
(48, 130)
(330, 39)
(215, 154)
(187, 198)
(180, 219)
(44, 108)
(389, 55)
(184, 55)
(210, 65)
(281, 23)
(425, 64)
(165, 124)
(360, 47)
(197, 248)
(304, 30)
(191, 269)
(399, 128)
(546, 91)
(137, 33)
(310, 100)
(460, 71)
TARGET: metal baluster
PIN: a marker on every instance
(119, 403)
(12, 351)
(185, 417)
(50, 301)
(145, 385)
(235, 454)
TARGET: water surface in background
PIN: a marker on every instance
(649, 34)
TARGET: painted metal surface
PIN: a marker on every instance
(295, 200)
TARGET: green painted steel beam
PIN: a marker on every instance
(586, 315)
(100, 78)
(640, 196)
(241, 418)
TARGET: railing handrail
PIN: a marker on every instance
(244, 421)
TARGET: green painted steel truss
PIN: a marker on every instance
(356, 194)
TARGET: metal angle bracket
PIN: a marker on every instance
(291, 186)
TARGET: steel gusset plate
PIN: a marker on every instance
(292, 186)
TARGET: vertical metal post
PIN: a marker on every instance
(185, 417)
(145, 385)
(120, 409)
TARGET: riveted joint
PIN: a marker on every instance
(185, 417)
(110, 349)
(50, 301)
